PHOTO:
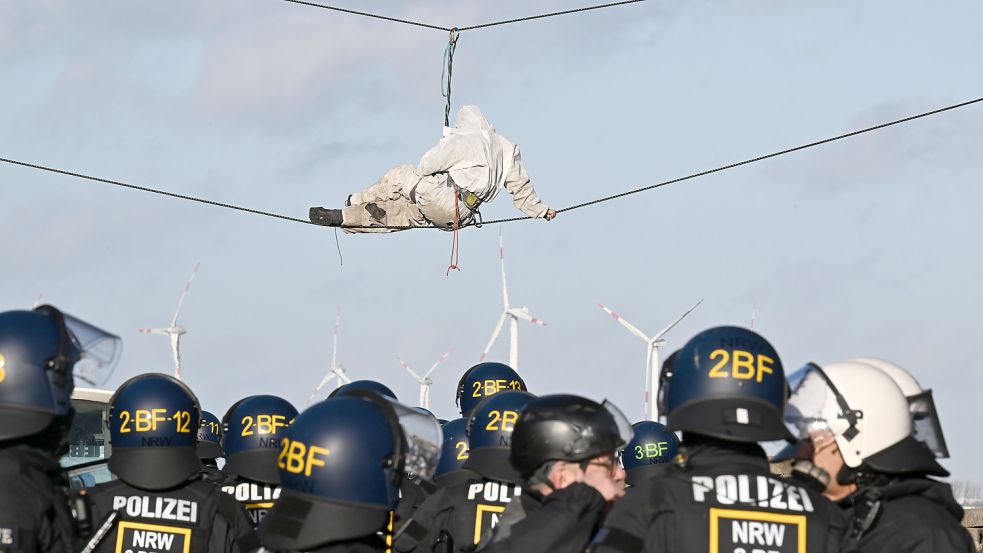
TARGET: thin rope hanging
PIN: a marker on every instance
(446, 73)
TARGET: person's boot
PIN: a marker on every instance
(325, 217)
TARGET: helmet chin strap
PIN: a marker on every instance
(542, 476)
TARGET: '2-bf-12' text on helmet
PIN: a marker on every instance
(649, 453)
(490, 429)
(566, 428)
(153, 426)
(867, 414)
(728, 382)
(342, 461)
(484, 380)
(251, 432)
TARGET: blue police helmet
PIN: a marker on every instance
(37, 355)
(251, 432)
(209, 437)
(649, 452)
(153, 424)
(371, 385)
(727, 382)
(454, 450)
(483, 380)
(342, 461)
(490, 435)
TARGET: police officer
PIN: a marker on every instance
(38, 353)
(565, 449)
(341, 464)
(209, 447)
(456, 517)
(453, 454)
(857, 425)
(251, 432)
(160, 502)
(727, 392)
(649, 452)
(483, 380)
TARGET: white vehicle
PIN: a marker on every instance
(88, 440)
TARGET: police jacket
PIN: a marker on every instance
(562, 522)
(912, 515)
(412, 494)
(257, 498)
(195, 517)
(721, 497)
(34, 508)
(456, 517)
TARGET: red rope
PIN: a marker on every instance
(455, 243)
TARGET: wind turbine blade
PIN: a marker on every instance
(327, 378)
(334, 339)
(525, 316)
(153, 330)
(501, 259)
(37, 302)
(439, 361)
(494, 336)
(631, 328)
(754, 314)
(407, 367)
(674, 323)
(180, 302)
(176, 352)
(343, 375)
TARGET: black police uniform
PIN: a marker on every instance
(34, 508)
(455, 518)
(720, 496)
(257, 498)
(194, 517)
(913, 515)
(561, 522)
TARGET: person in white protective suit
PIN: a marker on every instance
(465, 169)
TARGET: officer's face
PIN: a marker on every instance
(603, 473)
(826, 455)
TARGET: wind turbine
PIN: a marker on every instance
(174, 330)
(652, 367)
(425, 380)
(336, 370)
(512, 313)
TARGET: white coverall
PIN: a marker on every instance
(472, 156)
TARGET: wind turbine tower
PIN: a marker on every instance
(513, 314)
(652, 366)
(174, 330)
(336, 370)
(425, 381)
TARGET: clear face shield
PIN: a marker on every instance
(624, 427)
(927, 428)
(423, 437)
(815, 406)
(100, 351)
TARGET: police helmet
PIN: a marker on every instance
(728, 383)
(454, 449)
(342, 461)
(566, 428)
(209, 437)
(372, 385)
(251, 432)
(483, 380)
(37, 356)
(649, 452)
(153, 423)
(490, 428)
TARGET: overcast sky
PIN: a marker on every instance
(865, 247)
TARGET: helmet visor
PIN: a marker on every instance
(815, 405)
(423, 439)
(100, 351)
(624, 427)
(927, 428)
